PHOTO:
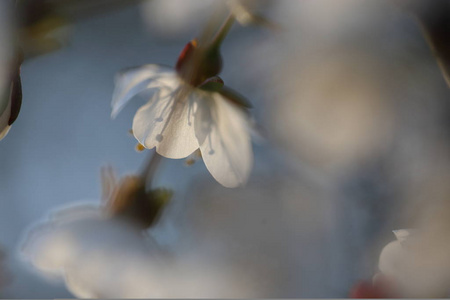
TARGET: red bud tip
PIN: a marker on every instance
(186, 54)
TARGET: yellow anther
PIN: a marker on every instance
(140, 147)
(189, 162)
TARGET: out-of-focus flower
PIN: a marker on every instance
(93, 247)
(412, 267)
(10, 98)
(11, 101)
(41, 28)
(88, 250)
(105, 252)
(331, 110)
(10, 91)
(191, 109)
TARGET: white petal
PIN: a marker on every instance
(223, 135)
(4, 116)
(5, 101)
(50, 245)
(4, 132)
(133, 81)
(116, 272)
(49, 248)
(167, 123)
(390, 258)
(403, 234)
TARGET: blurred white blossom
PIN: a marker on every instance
(413, 268)
(180, 118)
(12, 101)
(4, 117)
(331, 111)
(100, 257)
(96, 255)
(106, 252)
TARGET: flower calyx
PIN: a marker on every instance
(197, 63)
(235, 98)
(130, 200)
(212, 84)
(189, 67)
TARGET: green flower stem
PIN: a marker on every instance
(222, 32)
(150, 167)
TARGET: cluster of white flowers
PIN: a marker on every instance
(107, 251)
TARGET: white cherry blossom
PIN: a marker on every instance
(105, 251)
(179, 119)
(88, 249)
(413, 267)
(100, 257)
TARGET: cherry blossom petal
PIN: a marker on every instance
(49, 248)
(98, 257)
(223, 135)
(133, 81)
(167, 123)
(394, 255)
(5, 115)
(4, 132)
(121, 271)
